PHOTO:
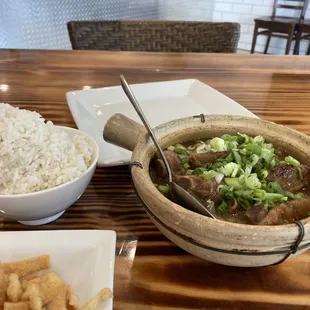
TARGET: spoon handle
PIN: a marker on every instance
(136, 105)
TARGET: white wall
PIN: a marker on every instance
(244, 12)
(42, 23)
(241, 11)
(186, 9)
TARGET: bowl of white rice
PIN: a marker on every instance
(44, 168)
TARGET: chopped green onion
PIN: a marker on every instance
(275, 197)
(252, 148)
(191, 147)
(209, 174)
(230, 169)
(272, 163)
(231, 145)
(267, 154)
(254, 159)
(237, 157)
(222, 207)
(244, 203)
(207, 166)
(269, 197)
(292, 161)
(245, 194)
(259, 139)
(298, 196)
(226, 191)
(179, 145)
(199, 170)
(202, 148)
(300, 173)
(186, 166)
(245, 170)
(218, 145)
(294, 196)
(274, 187)
(233, 182)
(264, 173)
(180, 149)
(252, 182)
(247, 138)
(229, 158)
(289, 195)
(218, 164)
(164, 189)
(230, 138)
(184, 158)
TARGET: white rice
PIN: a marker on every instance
(36, 155)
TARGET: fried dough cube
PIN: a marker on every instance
(48, 285)
(27, 279)
(28, 266)
(3, 287)
(72, 298)
(26, 282)
(59, 302)
(14, 289)
(22, 305)
(103, 295)
(33, 295)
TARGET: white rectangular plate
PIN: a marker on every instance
(84, 259)
(160, 101)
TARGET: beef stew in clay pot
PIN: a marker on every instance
(253, 175)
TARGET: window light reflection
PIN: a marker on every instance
(4, 87)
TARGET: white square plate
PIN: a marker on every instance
(84, 259)
(160, 101)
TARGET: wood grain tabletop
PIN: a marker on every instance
(150, 271)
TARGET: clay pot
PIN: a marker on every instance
(214, 240)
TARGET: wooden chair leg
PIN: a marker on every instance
(289, 41)
(297, 43)
(254, 38)
(308, 51)
(267, 42)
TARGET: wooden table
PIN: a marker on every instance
(151, 272)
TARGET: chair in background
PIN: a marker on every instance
(154, 36)
(280, 26)
(302, 34)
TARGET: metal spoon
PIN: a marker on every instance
(179, 194)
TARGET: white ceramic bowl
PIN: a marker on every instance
(45, 206)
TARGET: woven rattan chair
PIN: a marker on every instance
(154, 36)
